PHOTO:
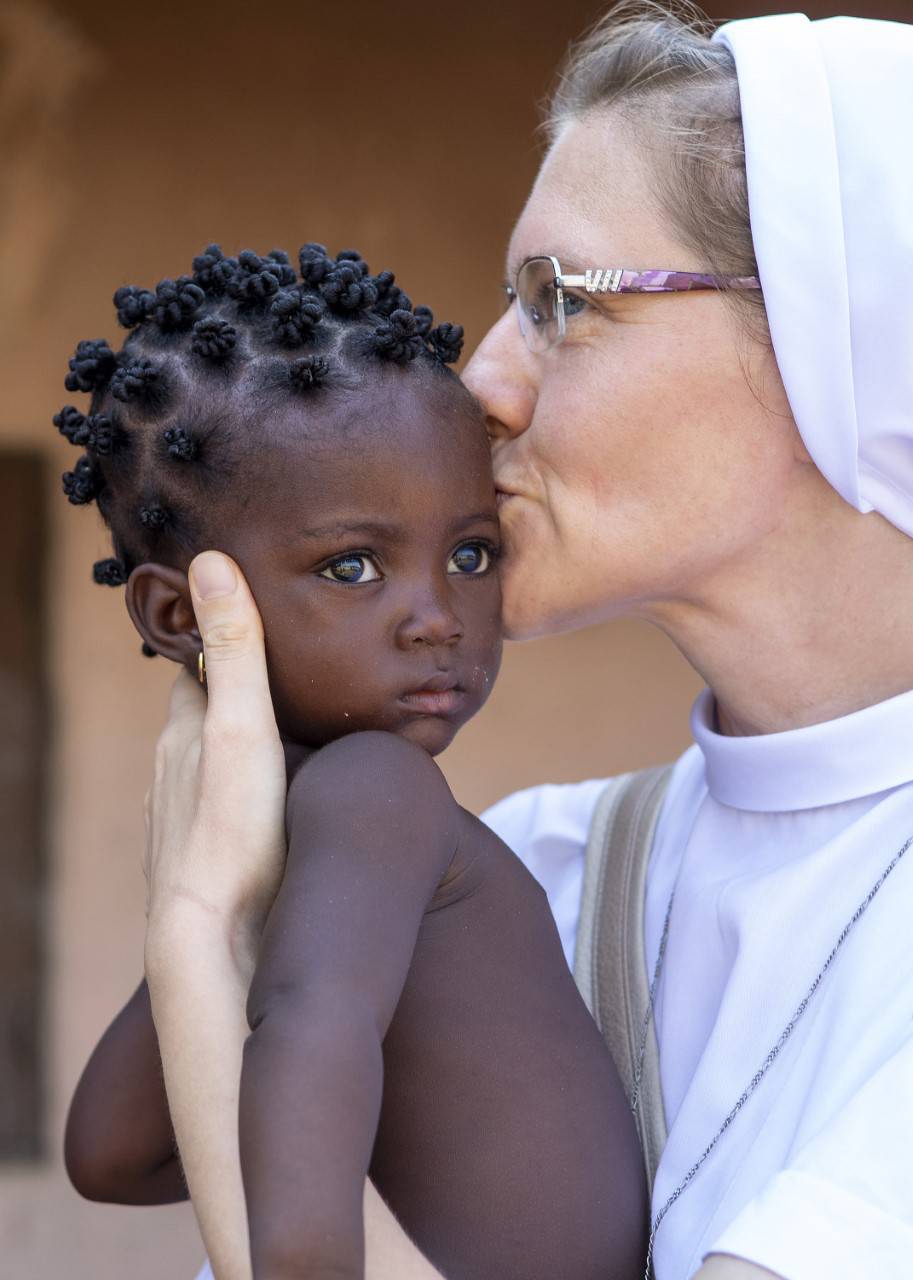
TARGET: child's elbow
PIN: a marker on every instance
(106, 1173)
(88, 1172)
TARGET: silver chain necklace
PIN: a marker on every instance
(767, 1062)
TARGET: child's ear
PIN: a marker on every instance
(158, 601)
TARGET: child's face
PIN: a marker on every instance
(370, 550)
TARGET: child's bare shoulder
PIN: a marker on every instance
(374, 777)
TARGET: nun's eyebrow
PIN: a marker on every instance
(568, 261)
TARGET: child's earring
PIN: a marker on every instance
(201, 668)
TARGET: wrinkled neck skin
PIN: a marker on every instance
(810, 623)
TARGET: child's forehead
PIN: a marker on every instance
(383, 416)
(415, 448)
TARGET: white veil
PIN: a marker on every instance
(827, 109)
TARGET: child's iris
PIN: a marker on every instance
(351, 569)
(472, 558)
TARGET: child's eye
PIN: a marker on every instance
(351, 568)
(471, 557)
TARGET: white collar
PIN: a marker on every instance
(861, 754)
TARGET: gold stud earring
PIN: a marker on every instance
(201, 668)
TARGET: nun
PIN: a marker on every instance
(700, 401)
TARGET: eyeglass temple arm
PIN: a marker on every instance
(621, 280)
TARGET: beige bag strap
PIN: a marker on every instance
(609, 962)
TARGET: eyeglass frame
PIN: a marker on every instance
(622, 280)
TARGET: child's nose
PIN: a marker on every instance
(430, 620)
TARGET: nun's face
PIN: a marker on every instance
(654, 446)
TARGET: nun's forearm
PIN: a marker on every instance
(198, 991)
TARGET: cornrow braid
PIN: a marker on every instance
(205, 353)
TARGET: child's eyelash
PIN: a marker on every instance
(492, 548)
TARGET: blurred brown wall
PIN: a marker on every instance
(131, 136)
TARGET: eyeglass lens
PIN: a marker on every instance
(538, 307)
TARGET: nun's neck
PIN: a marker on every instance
(813, 623)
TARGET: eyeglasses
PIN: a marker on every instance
(541, 301)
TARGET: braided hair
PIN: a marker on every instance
(166, 420)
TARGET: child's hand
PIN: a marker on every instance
(215, 814)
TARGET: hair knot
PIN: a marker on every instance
(282, 268)
(153, 517)
(354, 259)
(294, 314)
(397, 339)
(71, 424)
(213, 339)
(424, 319)
(255, 280)
(308, 373)
(133, 305)
(91, 367)
(212, 270)
(176, 303)
(346, 289)
(110, 572)
(181, 444)
(314, 263)
(447, 342)
(96, 432)
(390, 296)
(142, 381)
(83, 484)
(103, 435)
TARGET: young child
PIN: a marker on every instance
(412, 1015)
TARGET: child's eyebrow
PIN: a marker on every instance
(478, 517)
(382, 529)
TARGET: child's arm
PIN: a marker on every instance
(372, 829)
(119, 1146)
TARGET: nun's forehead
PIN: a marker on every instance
(594, 202)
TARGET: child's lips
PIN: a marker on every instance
(439, 695)
(430, 703)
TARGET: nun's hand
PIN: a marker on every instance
(215, 814)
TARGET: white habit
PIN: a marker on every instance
(772, 843)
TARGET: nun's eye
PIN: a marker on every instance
(351, 568)
(574, 303)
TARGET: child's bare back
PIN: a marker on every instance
(413, 1013)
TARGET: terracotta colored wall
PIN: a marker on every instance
(132, 135)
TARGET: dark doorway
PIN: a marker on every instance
(23, 790)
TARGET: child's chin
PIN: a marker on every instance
(432, 733)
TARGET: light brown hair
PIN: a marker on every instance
(655, 64)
